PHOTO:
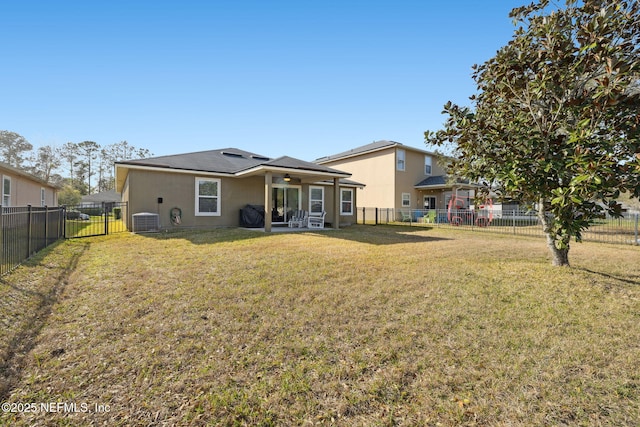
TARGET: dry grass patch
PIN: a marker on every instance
(362, 326)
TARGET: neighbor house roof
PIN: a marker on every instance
(442, 181)
(104, 196)
(368, 148)
(231, 162)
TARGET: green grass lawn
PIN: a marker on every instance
(93, 227)
(363, 326)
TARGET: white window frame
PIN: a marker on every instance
(6, 198)
(43, 197)
(312, 200)
(427, 165)
(401, 159)
(198, 196)
(342, 201)
(406, 200)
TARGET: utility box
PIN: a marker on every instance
(145, 222)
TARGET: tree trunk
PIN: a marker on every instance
(560, 256)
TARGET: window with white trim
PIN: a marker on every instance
(207, 197)
(406, 200)
(346, 201)
(6, 191)
(427, 165)
(43, 199)
(400, 159)
(316, 200)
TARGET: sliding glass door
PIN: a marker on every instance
(285, 200)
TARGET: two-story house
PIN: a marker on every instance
(399, 177)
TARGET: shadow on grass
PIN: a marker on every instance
(375, 235)
(628, 280)
(384, 234)
(24, 339)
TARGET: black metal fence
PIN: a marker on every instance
(26, 230)
(95, 219)
(624, 230)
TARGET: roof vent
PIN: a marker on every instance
(260, 157)
(145, 222)
(231, 154)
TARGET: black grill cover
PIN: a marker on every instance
(252, 216)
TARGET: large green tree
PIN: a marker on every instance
(556, 119)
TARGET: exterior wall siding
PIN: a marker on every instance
(27, 192)
(377, 170)
(414, 173)
(384, 184)
(143, 188)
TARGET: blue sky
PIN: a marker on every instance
(298, 78)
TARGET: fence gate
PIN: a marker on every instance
(95, 219)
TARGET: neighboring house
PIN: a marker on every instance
(20, 188)
(209, 188)
(109, 198)
(105, 201)
(398, 176)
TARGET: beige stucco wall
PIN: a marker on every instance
(377, 171)
(384, 184)
(27, 192)
(413, 174)
(143, 188)
(178, 190)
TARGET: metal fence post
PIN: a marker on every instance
(46, 226)
(63, 221)
(376, 223)
(514, 221)
(28, 231)
(106, 219)
(636, 231)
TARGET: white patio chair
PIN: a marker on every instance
(294, 221)
(299, 220)
(315, 221)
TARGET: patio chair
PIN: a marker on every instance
(430, 217)
(406, 216)
(316, 221)
(299, 219)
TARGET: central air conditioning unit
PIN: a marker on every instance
(146, 222)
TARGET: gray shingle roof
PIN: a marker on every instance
(376, 145)
(104, 196)
(227, 160)
(291, 163)
(440, 180)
